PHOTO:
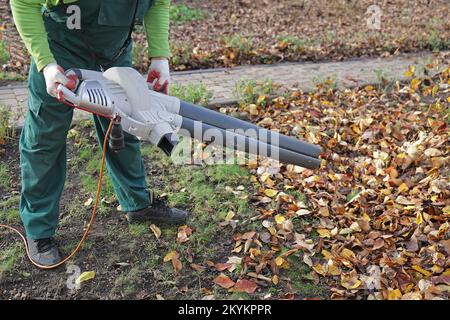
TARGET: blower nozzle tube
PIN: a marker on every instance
(250, 145)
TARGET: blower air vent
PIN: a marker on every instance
(97, 96)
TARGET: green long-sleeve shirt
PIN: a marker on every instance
(30, 24)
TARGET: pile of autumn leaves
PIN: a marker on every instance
(375, 224)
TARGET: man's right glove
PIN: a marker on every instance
(54, 75)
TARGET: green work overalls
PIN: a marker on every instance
(105, 26)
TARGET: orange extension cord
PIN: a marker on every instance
(94, 212)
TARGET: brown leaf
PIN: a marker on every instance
(222, 266)
(197, 267)
(183, 234)
(247, 286)
(177, 265)
(378, 244)
(223, 281)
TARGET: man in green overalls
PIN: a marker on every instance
(88, 34)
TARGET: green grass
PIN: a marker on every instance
(433, 41)
(87, 161)
(302, 284)
(193, 93)
(140, 229)
(209, 199)
(10, 202)
(10, 256)
(4, 53)
(11, 216)
(181, 53)
(249, 91)
(298, 196)
(149, 150)
(5, 178)
(295, 43)
(328, 83)
(6, 129)
(201, 190)
(12, 76)
(244, 45)
(180, 13)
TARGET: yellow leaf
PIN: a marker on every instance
(279, 219)
(264, 176)
(275, 280)
(410, 72)
(394, 294)
(170, 256)
(279, 261)
(261, 99)
(401, 155)
(324, 211)
(348, 254)
(415, 83)
(446, 210)
(237, 249)
(324, 233)
(334, 270)
(156, 231)
(403, 188)
(270, 192)
(326, 254)
(419, 218)
(367, 217)
(319, 269)
(356, 129)
(253, 109)
(85, 276)
(350, 280)
(272, 231)
(422, 270)
(229, 216)
(354, 285)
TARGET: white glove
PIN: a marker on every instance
(159, 75)
(54, 75)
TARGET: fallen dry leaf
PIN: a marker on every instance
(247, 286)
(223, 281)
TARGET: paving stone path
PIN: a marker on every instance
(222, 81)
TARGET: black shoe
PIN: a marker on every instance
(158, 212)
(44, 251)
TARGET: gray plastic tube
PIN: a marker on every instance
(219, 120)
(247, 144)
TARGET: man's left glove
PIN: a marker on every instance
(159, 75)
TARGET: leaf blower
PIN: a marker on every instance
(122, 94)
